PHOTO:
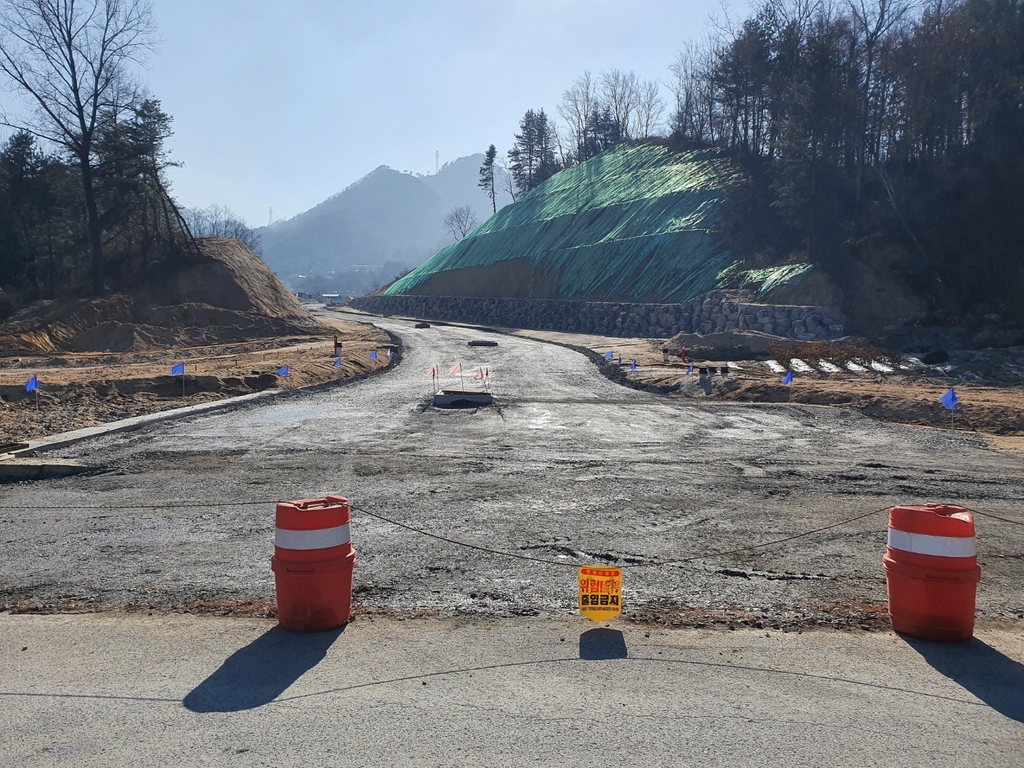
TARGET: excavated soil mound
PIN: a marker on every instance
(223, 294)
(230, 276)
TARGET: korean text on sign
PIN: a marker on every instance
(600, 592)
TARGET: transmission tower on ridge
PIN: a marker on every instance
(437, 161)
(271, 217)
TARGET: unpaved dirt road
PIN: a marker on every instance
(567, 466)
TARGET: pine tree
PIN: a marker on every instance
(487, 177)
(547, 165)
(532, 158)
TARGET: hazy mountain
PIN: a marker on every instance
(456, 183)
(384, 223)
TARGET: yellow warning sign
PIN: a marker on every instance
(600, 592)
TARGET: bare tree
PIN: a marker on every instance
(566, 157)
(693, 88)
(579, 103)
(460, 221)
(70, 59)
(220, 221)
(874, 21)
(620, 94)
(649, 109)
(508, 184)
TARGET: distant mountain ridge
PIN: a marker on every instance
(384, 223)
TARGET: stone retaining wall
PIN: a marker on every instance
(714, 311)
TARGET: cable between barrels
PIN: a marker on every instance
(632, 562)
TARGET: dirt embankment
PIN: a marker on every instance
(902, 399)
(87, 389)
(989, 384)
(224, 294)
(220, 313)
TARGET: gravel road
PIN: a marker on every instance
(566, 466)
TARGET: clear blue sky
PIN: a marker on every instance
(281, 104)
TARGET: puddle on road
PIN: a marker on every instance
(542, 421)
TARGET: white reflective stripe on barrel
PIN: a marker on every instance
(321, 538)
(939, 546)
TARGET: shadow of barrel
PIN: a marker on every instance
(261, 671)
(993, 677)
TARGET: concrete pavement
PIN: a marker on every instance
(130, 689)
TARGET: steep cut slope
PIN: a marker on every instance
(636, 223)
(230, 276)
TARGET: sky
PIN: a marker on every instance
(281, 104)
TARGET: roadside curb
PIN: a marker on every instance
(126, 425)
(64, 439)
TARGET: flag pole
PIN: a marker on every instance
(462, 376)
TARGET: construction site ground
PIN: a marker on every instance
(737, 525)
(88, 389)
(568, 466)
(908, 395)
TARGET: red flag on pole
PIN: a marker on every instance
(433, 371)
(457, 368)
(479, 374)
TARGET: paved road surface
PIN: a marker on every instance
(110, 689)
(567, 466)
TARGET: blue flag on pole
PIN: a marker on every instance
(389, 351)
(632, 366)
(689, 370)
(178, 370)
(33, 383)
(620, 359)
(337, 363)
(949, 399)
(373, 355)
(609, 356)
(282, 371)
(788, 379)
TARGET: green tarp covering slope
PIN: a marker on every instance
(635, 223)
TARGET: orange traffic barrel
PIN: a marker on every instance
(931, 568)
(312, 564)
